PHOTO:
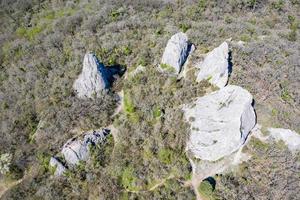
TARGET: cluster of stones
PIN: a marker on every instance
(222, 120)
(78, 149)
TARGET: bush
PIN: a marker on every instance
(206, 190)
(166, 156)
(269, 159)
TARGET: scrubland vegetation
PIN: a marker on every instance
(272, 173)
(42, 48)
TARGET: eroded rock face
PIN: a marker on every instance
(59, 168)
(76, 150)
(215, 66)
(289, 137)
(95, 77)
(91, 81)
(176, 52)
(220, 122)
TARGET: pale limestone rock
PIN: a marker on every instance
(289, 137)
(215, 67)
(91, 81)
(176, 52)
(59, 168)
(220, 122)
(76, 150)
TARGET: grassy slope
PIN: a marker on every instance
(42, 46)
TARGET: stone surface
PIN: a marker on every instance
(95, 77)
(91, 81)
(289, 137)
(215, 67)
(59, 168)
(220, 122)
(76, 150)
(176, 52)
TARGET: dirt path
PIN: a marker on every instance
(161, 183)
(120, 106)
(6, 186)
(205, 169)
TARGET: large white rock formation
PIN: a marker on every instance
(220, 122)
(176, 52)
(289, 137)
(76, 150)
(91, 80)
(215, 66)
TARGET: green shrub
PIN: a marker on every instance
(130, 108)
(43, 160)
(251, 3)
(245, 38)
(156, 112)
(167, 67)
(202, 4)
(166, 156)
(184, 27)
(285, 95)
(278, 4)
(129, 179)
(29, 33)
(206, 190)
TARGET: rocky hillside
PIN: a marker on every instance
(149, 99)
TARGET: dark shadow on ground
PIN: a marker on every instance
(110, 73)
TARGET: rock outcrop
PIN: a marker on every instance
(94, 77)
(289, 137)
(91, 81)
(76, 150)
(215, 66)
(220, 122)
(59, 167)
(176, 52)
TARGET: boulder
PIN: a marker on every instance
(94, 77)
(176, 52)
(215, 67)
(289, 137)
(59, 167)
(91, 81)
(220, 122)
(76, 150)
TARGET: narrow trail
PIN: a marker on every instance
(157, 185)
(203, 170)
(120, 106)
(162, 182)
(6, 186)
